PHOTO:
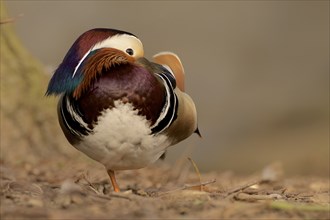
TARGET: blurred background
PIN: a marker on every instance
(257, 70)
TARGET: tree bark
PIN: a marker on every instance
(28, 119)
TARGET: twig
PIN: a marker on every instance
(90, 185)
(198, 173)
(10, 20)
(240, 188)
(253, 198)
(187, 186)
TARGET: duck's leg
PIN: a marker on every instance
(111, 174)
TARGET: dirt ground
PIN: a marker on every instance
(79, 189)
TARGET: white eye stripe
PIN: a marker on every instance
(121, 42)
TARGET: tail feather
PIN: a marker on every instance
(198, 132)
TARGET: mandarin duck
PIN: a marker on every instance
(116, 106)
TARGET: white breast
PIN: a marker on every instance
(122, 140)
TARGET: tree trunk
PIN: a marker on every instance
(29, 126)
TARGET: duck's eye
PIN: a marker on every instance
(130, 51)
